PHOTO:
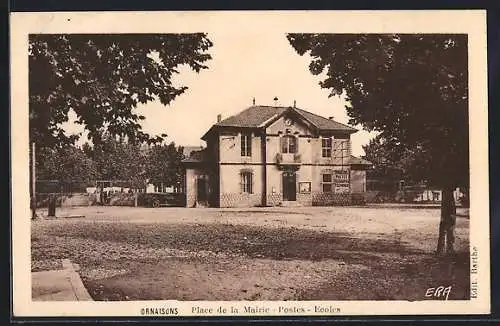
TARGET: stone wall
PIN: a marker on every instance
(330, 199)
(304, 199)
(274, 199)
(240, 200)
(67, 200)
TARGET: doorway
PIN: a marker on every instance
(201, 193)
(289, 186)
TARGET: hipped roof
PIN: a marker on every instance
(261, 116)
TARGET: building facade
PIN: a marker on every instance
(270, 156)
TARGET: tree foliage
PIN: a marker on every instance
(412, 88)
(113, 159)
(102, 78)
(395, 162)
(69, 165)
(164, 165)
(117, 159)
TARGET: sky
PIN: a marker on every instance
(259, 65)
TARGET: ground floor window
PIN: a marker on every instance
(327, 182)
(246, 182)
(335, 181)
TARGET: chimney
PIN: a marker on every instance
(219, 118)
(294, 103)
(253, 101)
(330, 118)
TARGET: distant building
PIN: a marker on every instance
(270, 155)
(188, 150)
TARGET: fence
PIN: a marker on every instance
(100, 192)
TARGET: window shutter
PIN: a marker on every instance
(242, 144)
(249, 145)
(250, 183)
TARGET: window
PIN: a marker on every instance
(288, 144)
(326, 147)
(246, 182)
(327, 182)
(246, 145)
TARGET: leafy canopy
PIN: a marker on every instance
(412, 88)
(103, 77)
(393, 162)
(68, 165)
(116, 159)
(164, 165)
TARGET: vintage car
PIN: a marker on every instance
(162, 199)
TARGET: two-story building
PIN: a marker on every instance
(269, 156)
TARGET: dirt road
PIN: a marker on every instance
(313, 253)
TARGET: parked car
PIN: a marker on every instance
(162, 199)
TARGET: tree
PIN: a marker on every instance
(102, 78)
(164, 165)
(117, 159)
(69, 166)
(396, 162)
(412, 88)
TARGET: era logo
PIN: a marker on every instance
(439, 292)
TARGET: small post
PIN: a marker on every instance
(52, 205)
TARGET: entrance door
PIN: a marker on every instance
(201, 190)
(289, 186)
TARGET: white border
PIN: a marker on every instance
(472, 22)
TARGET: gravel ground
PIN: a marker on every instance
(308, 253)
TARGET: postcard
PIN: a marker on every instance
(249, 163)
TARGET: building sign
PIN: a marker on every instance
(341, 181)
(304, 187)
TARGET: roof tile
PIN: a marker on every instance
(255, 116)
(358, 161)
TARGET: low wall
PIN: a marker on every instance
(330, 199)
(305, 199)
(240, 200)
(67, 200)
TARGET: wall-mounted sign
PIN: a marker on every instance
(304, 187)
(341, 181)
(341, 188)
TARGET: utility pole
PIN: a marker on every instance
(33, 182)
(342, 154)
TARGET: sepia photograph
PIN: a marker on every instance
(247, 170)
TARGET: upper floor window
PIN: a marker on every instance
(246, 182)
(326, 147)
(246, 145)
(288, 144)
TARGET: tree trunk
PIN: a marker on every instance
(447, 223)
(136, 195)
(33, 208)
